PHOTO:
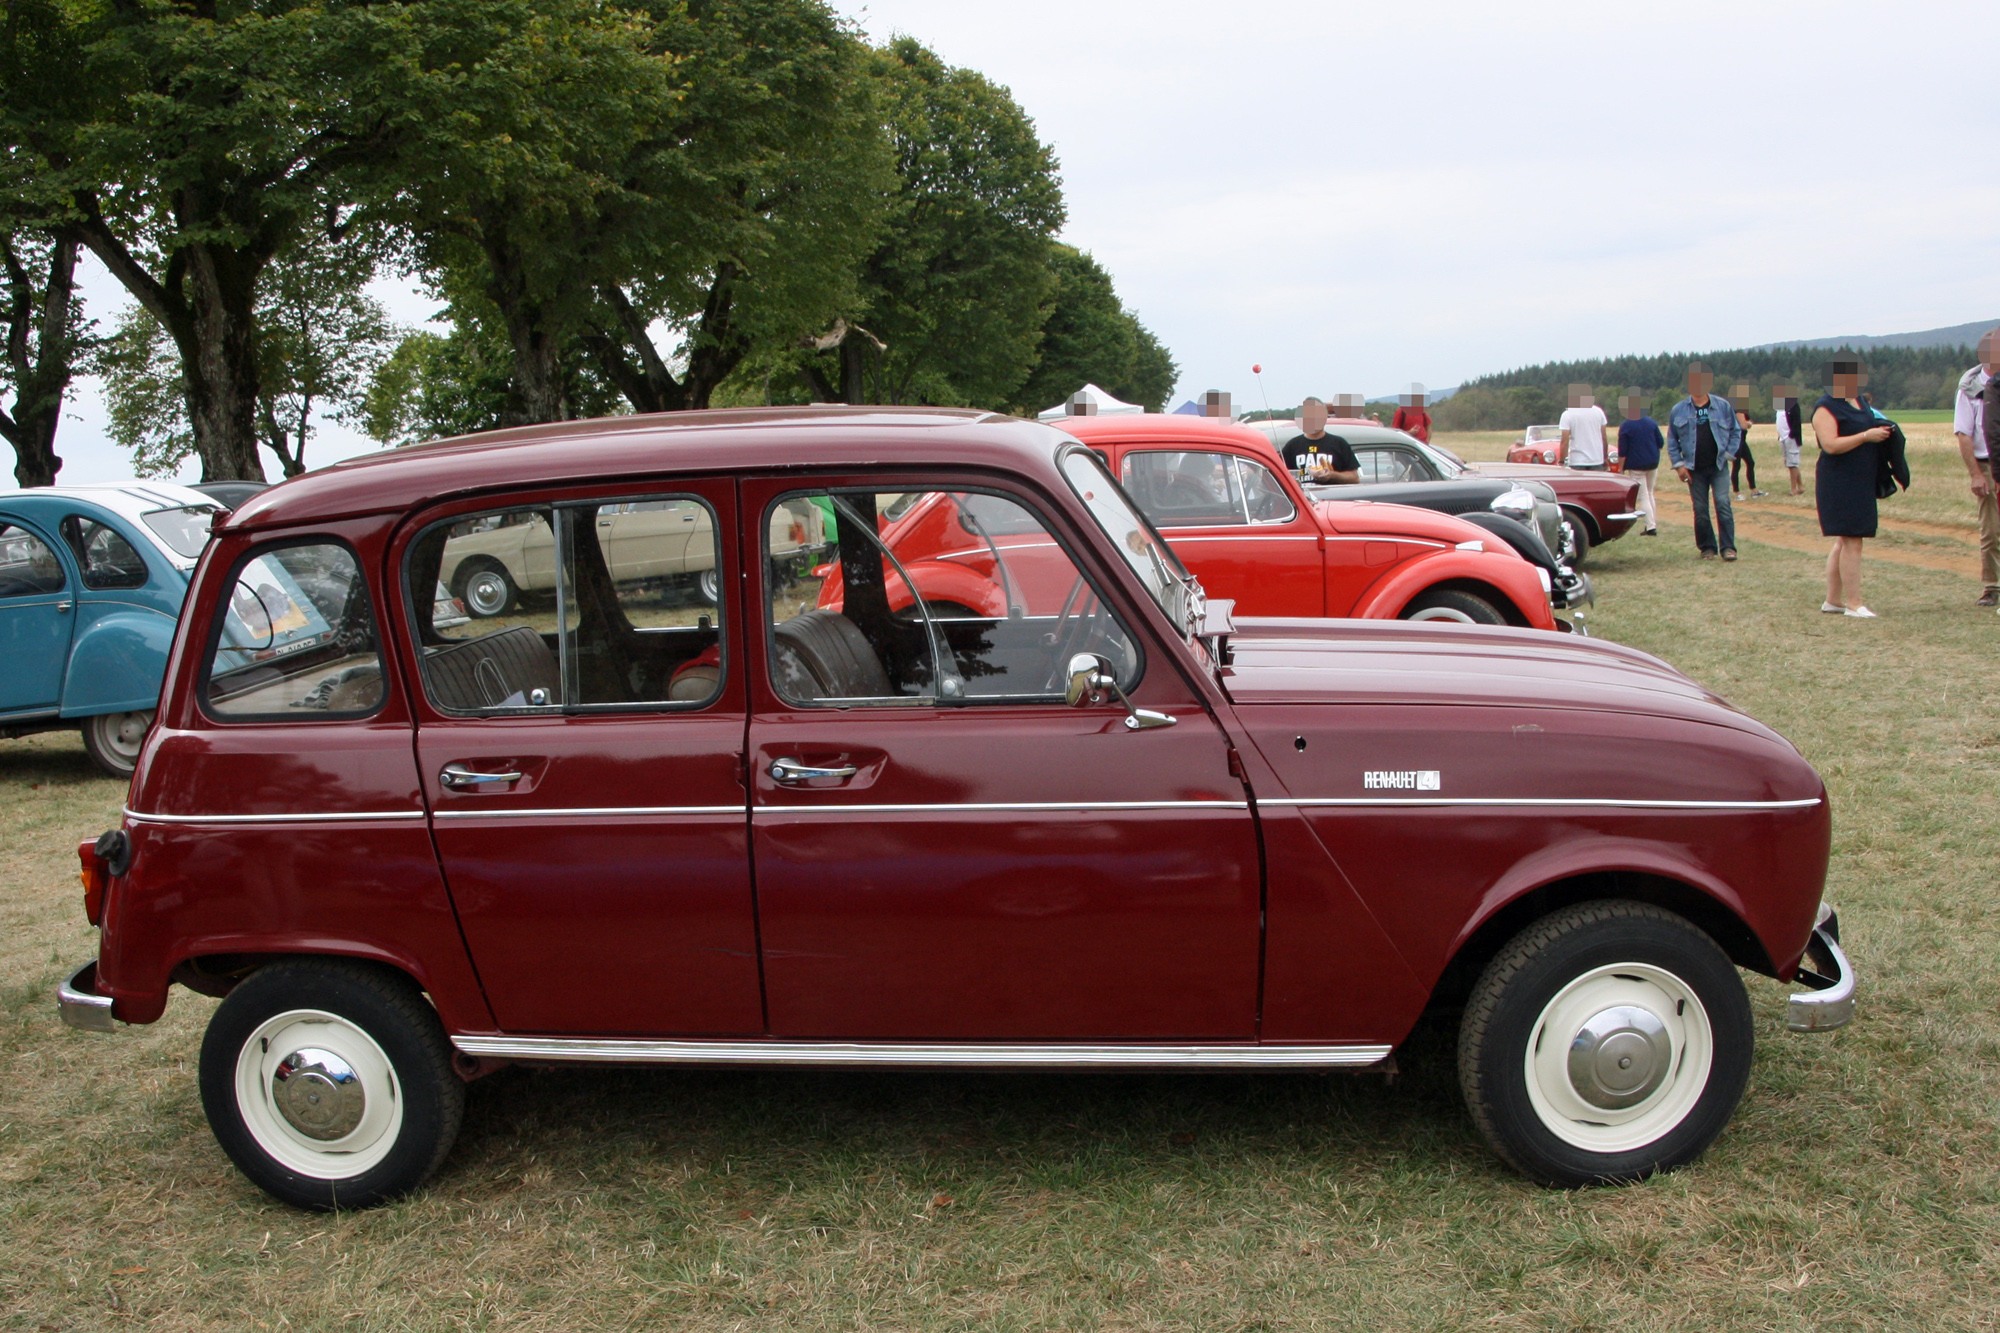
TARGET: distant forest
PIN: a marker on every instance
(1898, 377)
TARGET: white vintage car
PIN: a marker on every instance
(498, 558)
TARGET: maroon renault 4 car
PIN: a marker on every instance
(616, 823)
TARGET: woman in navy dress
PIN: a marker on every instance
(1844, 483)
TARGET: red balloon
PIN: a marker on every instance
(1256, 370)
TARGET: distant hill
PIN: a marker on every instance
(1958, 335)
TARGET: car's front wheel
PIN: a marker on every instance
(1452, 604)
(1605, 1043)
(708, 585)
(487, 591)
(1577, 539)
(329, 1083)
(113, 740)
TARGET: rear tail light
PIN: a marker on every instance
(103, 860)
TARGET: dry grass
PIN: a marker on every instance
(1859, 1187)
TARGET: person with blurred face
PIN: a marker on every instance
(1849, 436)
(1701, 439)
(1639, 444)
(1411, 416)
(1785, 412)
(1317, 456)
(1968, 424)
(1583, 426)
(1743, 457)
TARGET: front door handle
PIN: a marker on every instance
(791, 770)
(63, 606)
(458, 776)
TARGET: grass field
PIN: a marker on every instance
(1858, 1188)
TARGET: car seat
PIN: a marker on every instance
(821, 654)
(494, 671)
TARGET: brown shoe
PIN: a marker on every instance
(1708, 555)
(1991, 597)
(1729, 555)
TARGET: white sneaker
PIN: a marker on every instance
(1831, 609)
(1859, 613)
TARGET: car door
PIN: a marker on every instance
(944, 849)
(649, 538)
(1234, 525)
(580, 757)
(37, 618)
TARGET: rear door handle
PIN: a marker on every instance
(458, 777)
(791, 771)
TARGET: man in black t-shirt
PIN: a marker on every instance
(1324, 459)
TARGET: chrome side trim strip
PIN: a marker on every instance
(355, 817)
(975, 807)
(1539, 802)
(598, 811)
(965, 1055)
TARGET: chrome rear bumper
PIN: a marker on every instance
(80, 1004)
(1830, 1002)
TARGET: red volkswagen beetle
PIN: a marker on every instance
(1242, 525)
(621, 825)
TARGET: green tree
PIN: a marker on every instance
(320, 340)
(1090, 338)
(462, 382)
(953, 299)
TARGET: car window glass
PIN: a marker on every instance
(581, 606)
(184, 530)
(1264, 496)
(1185, 488)
(928, 597)
(1139, 544)
(297, 638)
(105, 557)
(1368, 463)
(27, 565)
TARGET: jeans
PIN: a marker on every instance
(1701, 485)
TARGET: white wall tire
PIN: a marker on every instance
(329, 1083)
(1604, 1043)
(1452, 606)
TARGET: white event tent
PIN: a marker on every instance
(1090, 401)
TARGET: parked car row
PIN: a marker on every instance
(986, 780)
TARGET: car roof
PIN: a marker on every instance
(127, 499)
(1131, 427)
(1352, 430)
(604, 449)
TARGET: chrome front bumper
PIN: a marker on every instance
(80, 1004)
(1830, 1002)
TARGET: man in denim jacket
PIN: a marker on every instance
(1702, 436)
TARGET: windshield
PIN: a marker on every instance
(1447, 463)
(184, 530)
(1150, 558)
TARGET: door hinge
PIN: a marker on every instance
(1236, 767)
(743, 769)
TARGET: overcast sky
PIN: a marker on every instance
(1358, 195)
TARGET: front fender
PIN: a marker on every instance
(1508, 574)
(116, 662)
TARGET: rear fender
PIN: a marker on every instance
(116, 662)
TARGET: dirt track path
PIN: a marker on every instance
(1795, 528)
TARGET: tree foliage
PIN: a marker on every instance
(1090, 338)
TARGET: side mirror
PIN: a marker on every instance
(1090, 679)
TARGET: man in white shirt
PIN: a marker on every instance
(1582, 431)
(1968, 413)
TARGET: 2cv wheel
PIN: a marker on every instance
(113, 740)
(329, 1083)
(1605, 1043)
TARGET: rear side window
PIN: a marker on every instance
(296, 640)
(594, 605)
(27, 565)
(184, 530)
(106, 558)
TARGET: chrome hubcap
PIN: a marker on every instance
(486, 592)
(1619, 1056)
(318, 1094)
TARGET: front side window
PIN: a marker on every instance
(27, 565)
(929, 597)
(1185, 488)
(296, 638)
(106, 558)
(589, 605)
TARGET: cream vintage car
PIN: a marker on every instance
(498, 558)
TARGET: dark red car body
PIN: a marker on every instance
(1011, 883)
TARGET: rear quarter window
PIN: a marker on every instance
(295, 638)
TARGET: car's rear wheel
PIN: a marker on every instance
(1452, 604)
(113, 740)
(1578, 539)
(329, 1083)
(708, 585)
(1605, 1043)
(486, 589)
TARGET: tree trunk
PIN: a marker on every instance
(533, 336)
(717, 347)
(220, 358)
(40, 378)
